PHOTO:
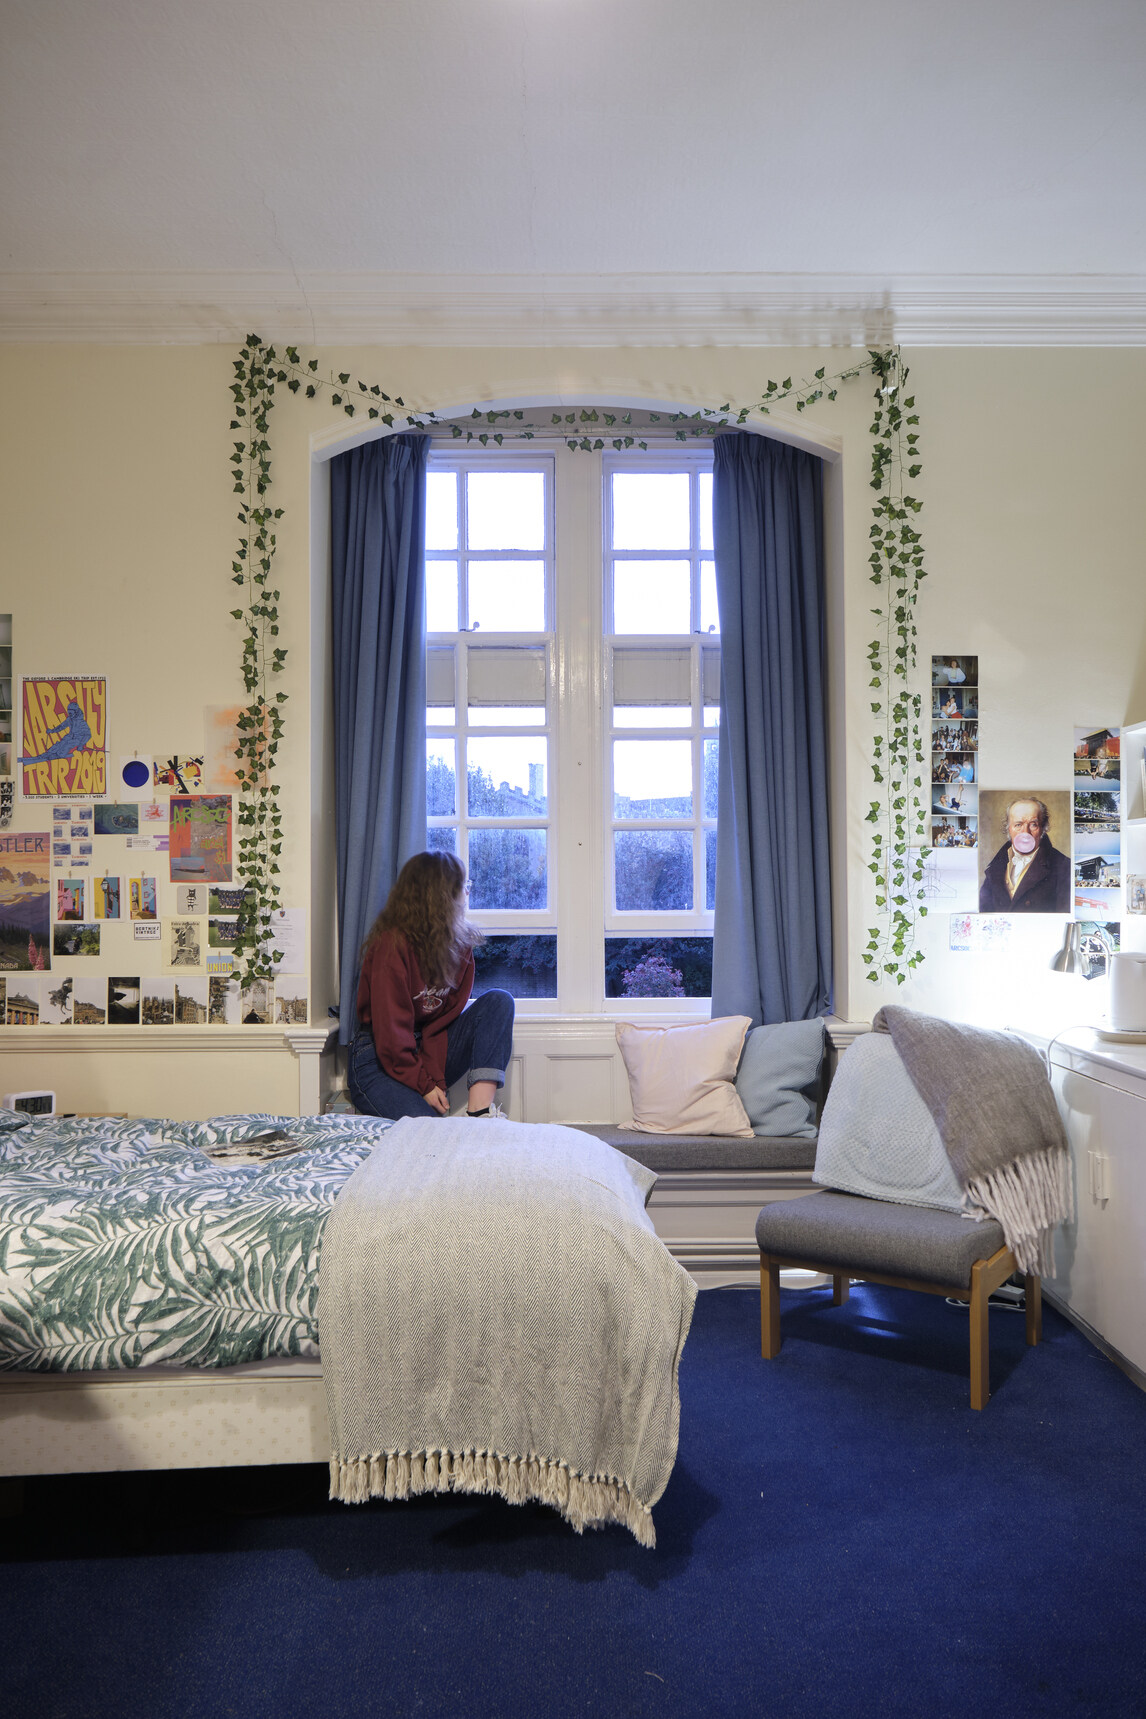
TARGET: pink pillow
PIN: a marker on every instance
(681, 1078)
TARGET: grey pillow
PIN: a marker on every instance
(778, 1079)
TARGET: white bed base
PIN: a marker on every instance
(275, 1411)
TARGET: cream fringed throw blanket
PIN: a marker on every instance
(496, 1314)
(996, 1115)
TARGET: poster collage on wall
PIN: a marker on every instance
(129, 868)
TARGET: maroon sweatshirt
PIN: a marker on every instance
(395, 1002)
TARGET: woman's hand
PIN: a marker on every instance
(438, 1099)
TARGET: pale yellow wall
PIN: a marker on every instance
(117, 525)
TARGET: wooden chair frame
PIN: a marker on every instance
(986, 1275)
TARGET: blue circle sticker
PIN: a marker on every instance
(135, 773)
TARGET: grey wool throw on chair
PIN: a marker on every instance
(997, 1117)
(772, 940)
(377, 558)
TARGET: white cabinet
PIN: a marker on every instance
(1101, 1256)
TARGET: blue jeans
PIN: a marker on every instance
(478, 1045)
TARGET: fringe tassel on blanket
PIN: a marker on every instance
(1028, 1197)
(585, 1502)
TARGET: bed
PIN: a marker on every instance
(160, 1293)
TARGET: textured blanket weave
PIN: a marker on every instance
(496, 1314)
(996, 1115)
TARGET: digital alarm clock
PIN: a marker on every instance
(31, 1103)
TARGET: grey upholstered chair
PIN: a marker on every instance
(905, 1247)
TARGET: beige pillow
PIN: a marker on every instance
(681, 1078)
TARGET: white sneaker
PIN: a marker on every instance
(494, 1110)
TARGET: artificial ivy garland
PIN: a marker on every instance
(896, 814)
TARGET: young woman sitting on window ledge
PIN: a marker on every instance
(416, 1036)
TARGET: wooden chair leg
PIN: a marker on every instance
(841, 1288)
(1033, 1288)
(769, 1307)
(980, 1338)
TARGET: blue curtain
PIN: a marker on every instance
(772, 942)
(377, 539)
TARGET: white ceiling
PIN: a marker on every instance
(167, 164)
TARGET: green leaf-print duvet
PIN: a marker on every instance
(122, 1244)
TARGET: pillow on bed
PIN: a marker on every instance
(779, 1078)
(681, 1078)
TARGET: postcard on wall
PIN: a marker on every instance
(157, 1002)
(117, 818)
(70, 898)
(980, 933)
(190, 1001)
(153, 814)
(73, 940)
(179, 773)
(107, 895)
(1098, 940)
(201, 838)
(1024, 857)
(226, 900)
(142, 898)
(290, 1000)
(55, 1001)
(123, 1002)
(219, 963)
(257, 1005)
(22, 1008)
(223, 1000)
(61, 853)
(222, 933)
(25, 901)
(89, 1002)
(63, 736)
(184, 943)
(191, 898)
(1097, 757)
(147, 931)
(134, 779)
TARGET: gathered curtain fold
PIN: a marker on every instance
(772, 941)
(377, 534)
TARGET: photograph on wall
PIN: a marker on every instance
(116, 818)
(3, 996)
(107, 895)
(1097, 808)
(953, 832)
(191, 898)
(63, 734)
(7, 796)
(61, 853)
(200, 838)
(290, 1000)
(1098, 756)
(75, 940)
(954, 704)
(190, 1001)
(184, 943)
(89, 1002)
(1099, 939)
(1136, 893)
(70, 898)
(1097, 874)
(258, 1001)
(954, 671)
(954, 751)
(222, 933)
(157, 1002)
(226, 900)
(79, 831)
(25, 901)
(223, 1000)
(23, 1004)
(955, 799)
(180, 774)
(142, 898)
(1024, 850)
(123, 1002)
(55, 1001)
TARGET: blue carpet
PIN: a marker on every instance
(842, 1538)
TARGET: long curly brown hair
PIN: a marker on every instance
(428, 906)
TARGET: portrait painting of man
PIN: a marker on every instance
(1024, 870)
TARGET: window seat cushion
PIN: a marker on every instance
(664, 1152)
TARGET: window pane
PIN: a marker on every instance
(507, 674)
(704, 508)
(441, 596)
(650, 510)
(523, 966)
(507, 715)
(652, 597)
(709, 612)
(711, 766)
(507, 596)
(441, 785)
(652, 778)
(442, 839)
(440, 716)
(507, 869)
(653, 870)
(712, 716)
(506, 510)
(651, 964)
(710, 870)
(506, 778)
(441, 510)
(652, 715)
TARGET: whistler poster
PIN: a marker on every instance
(200, 838)
(25, 901)
(64, 734)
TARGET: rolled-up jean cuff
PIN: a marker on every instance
(497, 1075)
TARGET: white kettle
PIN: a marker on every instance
(1128, 992)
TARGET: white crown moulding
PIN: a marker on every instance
(375, 309)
